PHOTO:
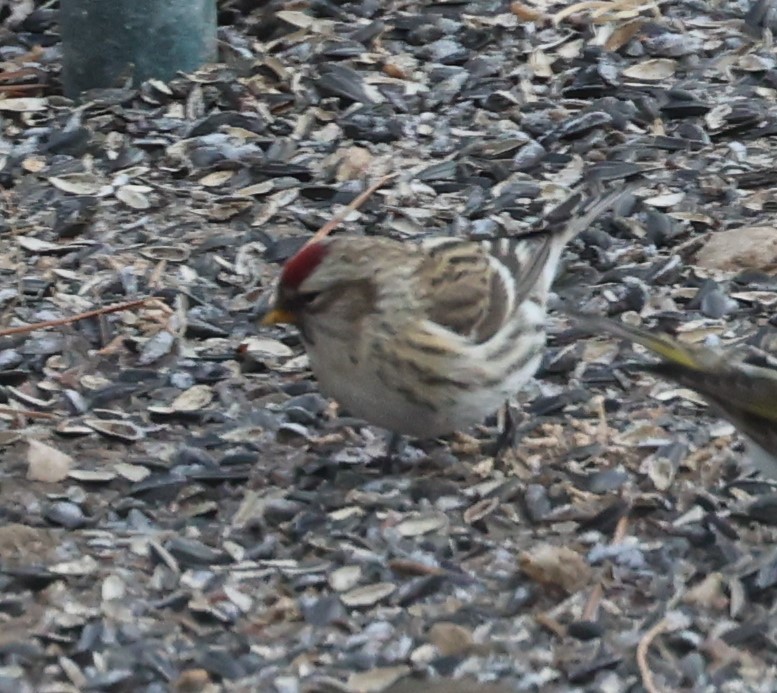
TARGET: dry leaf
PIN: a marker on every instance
(622, 34)
(46, 463)
(354, 162)
(526, 13)
(77, 183)
(134, 196)
(24, 104)
(541, 63)
(36, 245)
(665, 200)
(376, 680)
(213, 180)
(422, 524)
(195, 398)
(747, 247)
(651, 70)
(450, 639)
(708, 593)
(368, 594)
(556, 566)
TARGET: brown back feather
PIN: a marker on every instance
(459, 285)
(468, 295)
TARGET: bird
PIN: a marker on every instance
(426, 338)
(738, 389)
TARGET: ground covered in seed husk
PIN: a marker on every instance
(180, 508)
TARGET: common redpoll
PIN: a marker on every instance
(426, 338)
(742, 392)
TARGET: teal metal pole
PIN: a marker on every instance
(103, 40)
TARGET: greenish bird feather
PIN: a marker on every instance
(743, 393)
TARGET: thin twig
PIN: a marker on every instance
(115, 308)
(156, 275)
(603, 428)
(620, 530)
(357, 202)
(642, 651)
(594, 599)
(30, 414)
(10, 75)
(13, 88)
(592, 605)
(112, 347)
(551, 624)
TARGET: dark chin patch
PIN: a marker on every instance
(299, 266)
(305, 332)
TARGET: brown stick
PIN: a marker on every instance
(5, 88)
(29, 413)
(592, 605)
(9, 75)
(115, 308)
(551, 624)
(620, 530)
(357, 202)
(594, 599)
(642, 652)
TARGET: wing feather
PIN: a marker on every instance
(475, 288)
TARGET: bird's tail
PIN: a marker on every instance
(574, 215)
(720, 376)
(660, 344)
(534, 263)
(743, 393)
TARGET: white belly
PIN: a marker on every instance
(359, 390)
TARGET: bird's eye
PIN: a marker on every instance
(307, 298)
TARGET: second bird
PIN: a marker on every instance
(743, 393)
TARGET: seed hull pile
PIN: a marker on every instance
(180, 508)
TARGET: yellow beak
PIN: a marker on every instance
(277, 316)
